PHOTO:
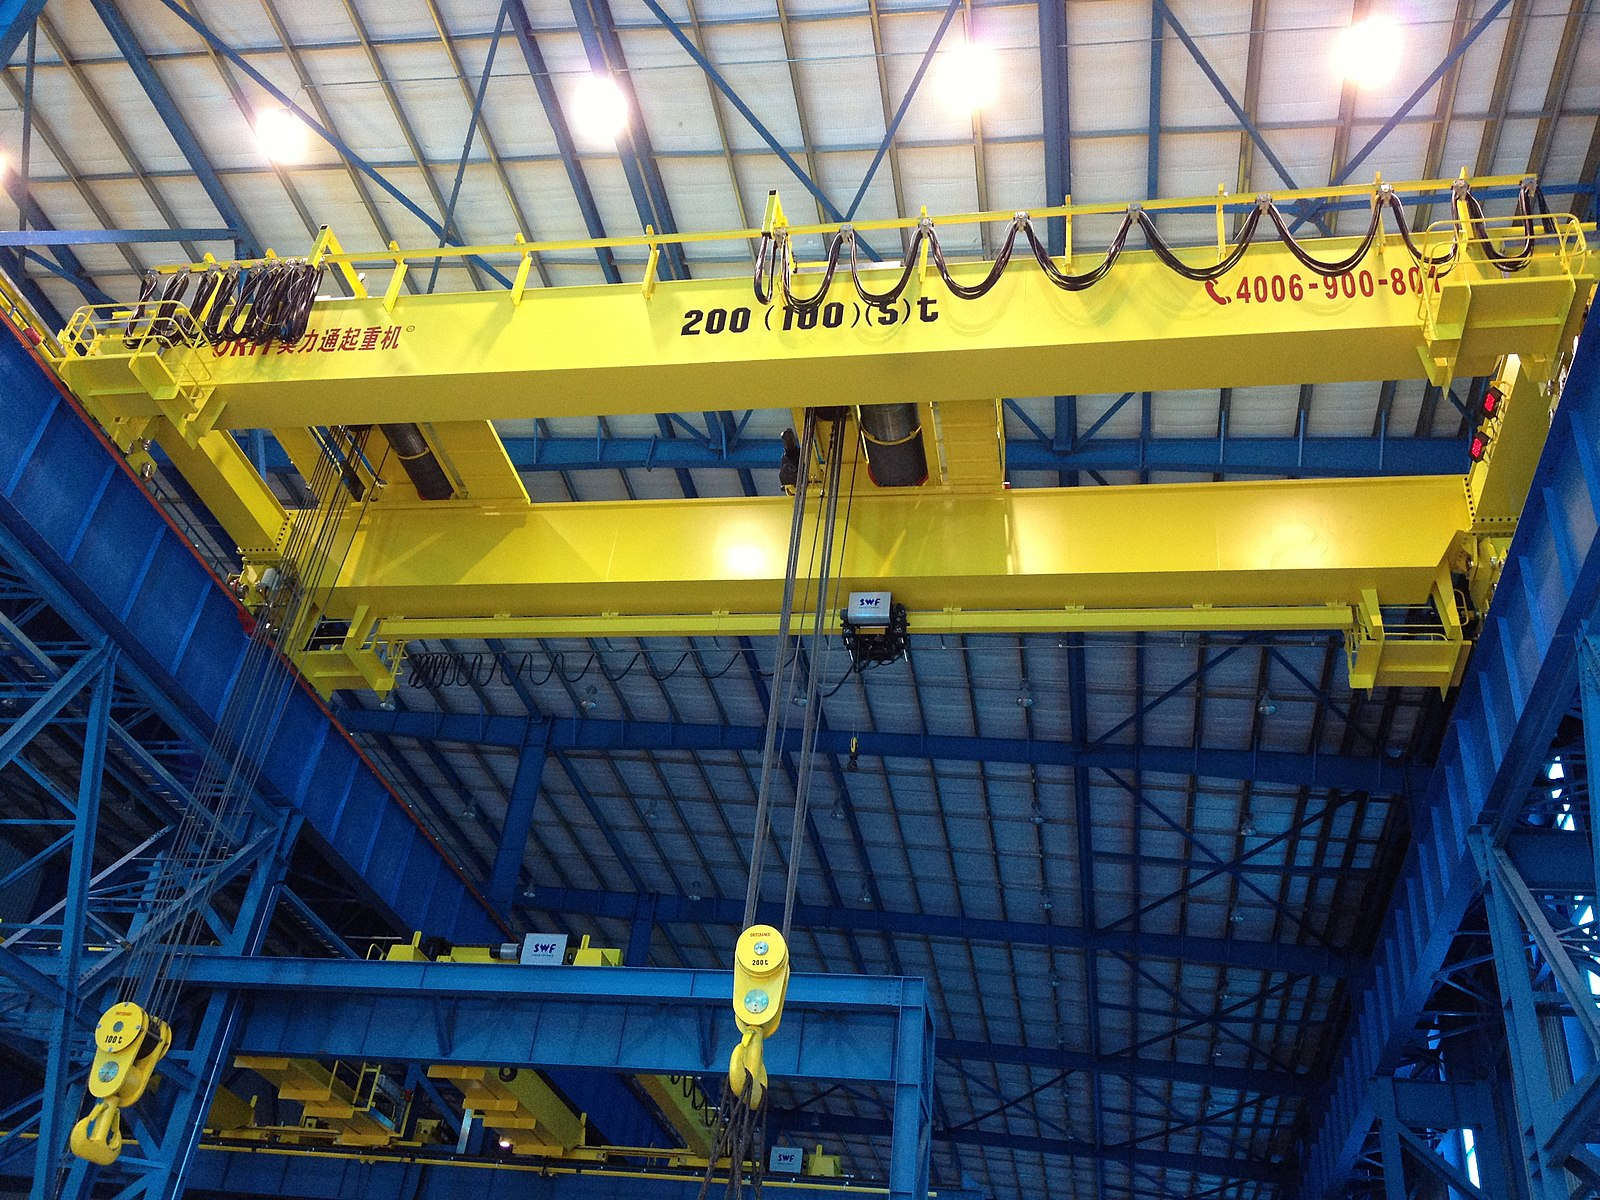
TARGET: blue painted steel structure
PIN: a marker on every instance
(16, 18)
(84, 533)
(109, 237)
(837, 1029)
(58, 992)
(67, 264)
(1299, 456)
(1379, 775)
(310, 122)
(1258, 956)
(1522, 680)
(221, 1173)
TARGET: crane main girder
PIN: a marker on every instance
(706, 344)
(1175, 545)
(962, 554)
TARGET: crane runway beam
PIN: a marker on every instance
(706, 344)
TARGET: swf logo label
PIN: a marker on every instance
(543, 949)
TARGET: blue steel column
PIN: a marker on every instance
(1589, 700)
(911, 1150)
(60, 1109)
(1519, 685)
(1530, 1077)
(519, 817)
(211, 1050)
(641, 932)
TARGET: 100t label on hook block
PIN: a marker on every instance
(834, 314)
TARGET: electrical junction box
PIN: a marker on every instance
(869, 609)
(785, 1159)
(543, 949)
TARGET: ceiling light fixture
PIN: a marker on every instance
(1367, 54)
(282, 136)
(969, 76)
(600, 109)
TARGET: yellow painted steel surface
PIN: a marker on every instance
(342, 1098)
(607, 349)
(685, 1107)
(519, 1105)
(961, 554)
(1290, 543)
(1498, 485)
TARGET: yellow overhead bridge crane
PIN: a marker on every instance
(962, 552)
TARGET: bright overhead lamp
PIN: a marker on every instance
(282, 136)
(1367, 54)
(968, 76)
(600, 109)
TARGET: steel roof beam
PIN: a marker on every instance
(1423, 88)
(177, 124)
(16, 18)
(1379, 775)
(327, 135)
(806, 178)
(905, 104)
(1055, 73)
(570, 159)
(1273, 957)
(603, 48)
(802, 1123)
(71, 267)
(1332, 457)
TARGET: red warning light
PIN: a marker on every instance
(1478, 448)
(1491, 402)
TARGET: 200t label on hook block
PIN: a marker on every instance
(835, 314)
(1276, 289)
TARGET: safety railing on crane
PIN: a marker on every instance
(232, 295)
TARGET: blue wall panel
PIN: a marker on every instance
(91, 541)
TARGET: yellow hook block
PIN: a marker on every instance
(760, 979)
(129, 1042)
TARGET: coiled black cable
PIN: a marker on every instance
(266, 303)
(774, 257)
